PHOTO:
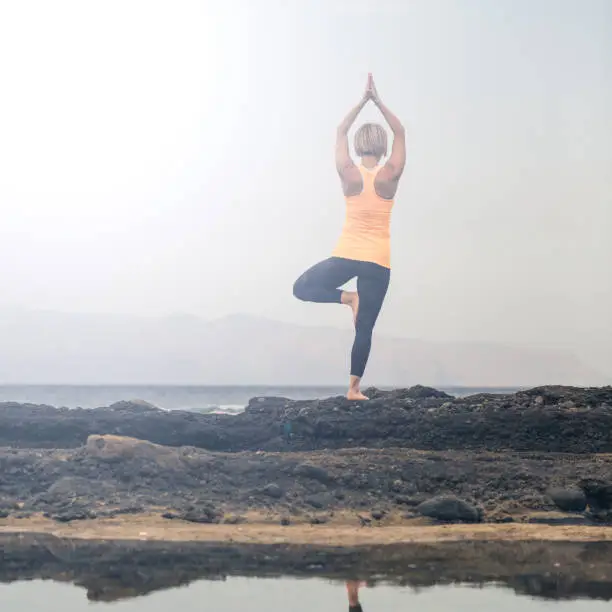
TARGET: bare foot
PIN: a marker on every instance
(355, 394)
(355, 308)
(351, 298)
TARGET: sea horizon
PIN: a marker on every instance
(231, 398)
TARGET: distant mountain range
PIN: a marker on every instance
(65, 348)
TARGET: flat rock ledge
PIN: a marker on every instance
(546, 419)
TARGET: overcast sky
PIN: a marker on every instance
(177, 157)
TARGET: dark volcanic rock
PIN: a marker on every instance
(273, 490)
(205, 515)
(550, 419)
(307, 470)
(320, 500)
(569, 500)
(409, 501)
(72, 515)
(598, 494)
(234, 519)
(110, 476)
(449, 508)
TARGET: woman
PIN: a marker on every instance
(363, 250)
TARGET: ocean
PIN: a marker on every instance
(226, 399)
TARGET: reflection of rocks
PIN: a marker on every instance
(549, 419)
(118, 570)
(111, 475)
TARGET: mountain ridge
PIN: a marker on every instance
(49, 347)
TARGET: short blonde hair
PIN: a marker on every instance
(371, 139)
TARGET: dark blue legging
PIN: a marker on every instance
(320, 284)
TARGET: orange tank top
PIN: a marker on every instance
(366, 232)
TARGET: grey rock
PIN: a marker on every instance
(404, 500)
(598, 494)
(273, 490)
(422, 392)
(450, 508)
(307, 470)
(569, 500)
(234, 519)
(319, 500)
(205, 514)
(72, 515)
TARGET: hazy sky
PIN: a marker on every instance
(175, 156)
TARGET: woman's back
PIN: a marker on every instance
(366, 232)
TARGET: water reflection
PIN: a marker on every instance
(127, 570)
(352, 591)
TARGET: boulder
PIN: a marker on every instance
(314, 472)
(598, 494)
(568, 500)
(450, 508)
(273, 490)
(119, 448)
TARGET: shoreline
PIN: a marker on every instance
(415, 489)
(153, 528)
(406, 459)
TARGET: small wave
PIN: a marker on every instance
(222, 409)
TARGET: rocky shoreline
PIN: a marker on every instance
(544, 419)
(331, 461)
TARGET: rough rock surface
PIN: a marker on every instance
(312, 459)
(549, 419)
(110, 475)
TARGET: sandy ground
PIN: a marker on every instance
(154, 528)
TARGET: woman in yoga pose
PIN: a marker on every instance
(363, 250)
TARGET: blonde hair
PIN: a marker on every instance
(371, 139)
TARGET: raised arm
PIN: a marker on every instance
(344, 164)
(395, 164)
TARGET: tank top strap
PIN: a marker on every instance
(368, 176)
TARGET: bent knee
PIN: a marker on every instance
(299, 289)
